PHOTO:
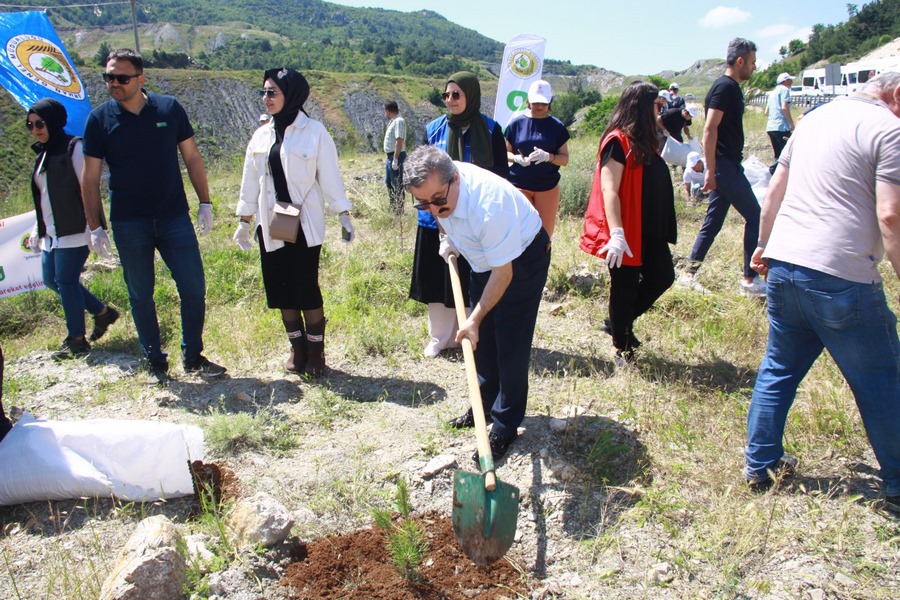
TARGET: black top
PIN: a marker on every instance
(674, 122)
(726, 95)
(657, 196)
(282, 194)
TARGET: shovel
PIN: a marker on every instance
(484, 508)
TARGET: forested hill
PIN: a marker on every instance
(254, 34)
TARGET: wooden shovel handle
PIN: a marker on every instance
(481, 436)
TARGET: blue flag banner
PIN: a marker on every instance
(34, 64)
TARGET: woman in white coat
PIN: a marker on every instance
(293, 159)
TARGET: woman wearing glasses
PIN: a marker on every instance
(631, 221)
(61, 234)
(292, 159)
(469, 136)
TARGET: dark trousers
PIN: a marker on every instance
(503, 354)
(633, 290)
(779, 141)
(394, 180)
(732, 189)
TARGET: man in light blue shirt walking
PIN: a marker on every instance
(778, 109)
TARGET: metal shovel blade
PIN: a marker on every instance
(484, 522)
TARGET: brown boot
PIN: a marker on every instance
(297, 359)
(315, 349)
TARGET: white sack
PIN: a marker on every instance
(132, 460)
(756, 172)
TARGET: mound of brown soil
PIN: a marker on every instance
(357, 565)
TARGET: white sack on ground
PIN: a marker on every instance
(132, 460)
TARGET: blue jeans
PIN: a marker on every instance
(732, 188)
(808, 311)
(394, 179)
(503, 354)
(176, 242)
(62, 273)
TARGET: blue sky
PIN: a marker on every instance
(637, 37)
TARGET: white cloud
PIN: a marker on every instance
(723, 16)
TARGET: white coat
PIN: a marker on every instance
(310, 162)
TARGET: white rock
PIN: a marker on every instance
(149, 567)
(429, 486)
(558, 425)
(556, 310)
(576, 411)
(660, 573)
(844, 580)
(544, 453)
(259, 520)
(438, 464)
(199, 553)
(815, 594)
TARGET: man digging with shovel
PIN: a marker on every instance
(488, 221)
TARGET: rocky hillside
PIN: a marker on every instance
(224, 108)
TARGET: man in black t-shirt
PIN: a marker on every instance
(723, 146)
(676, 121)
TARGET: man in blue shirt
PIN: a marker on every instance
(778, 109)
(487, 220)
(139, 134)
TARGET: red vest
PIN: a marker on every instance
(596, 227)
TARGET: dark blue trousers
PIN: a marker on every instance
(503, 355)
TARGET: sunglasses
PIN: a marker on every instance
(37, 124)
(120, 79)
(454, 94)
(267, 93)
(424, 204)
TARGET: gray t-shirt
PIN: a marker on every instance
(827, 220)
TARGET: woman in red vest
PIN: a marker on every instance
(630, 218)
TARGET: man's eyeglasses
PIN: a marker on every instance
(454, 94)
(121, 79)
(267, 93)
(36, 124)
(424, 204)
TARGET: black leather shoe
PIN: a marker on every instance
(463, 421)
(499, 446)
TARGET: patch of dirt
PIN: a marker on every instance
(357, 565)
(217, 480)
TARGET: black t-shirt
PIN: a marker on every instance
(657, 196)
(726, 95)
(674, 122)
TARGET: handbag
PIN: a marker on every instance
(285, 222)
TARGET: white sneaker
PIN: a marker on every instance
(432, 349)
(754, 289)
(690, 282)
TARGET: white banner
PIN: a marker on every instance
(523, 62)
(20, 268)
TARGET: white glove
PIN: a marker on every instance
(100, 243)
(347, 234)
(539, 156)
(242, 235)
(524, 161)
(446, 247)
(204, 218)
(616, 248)
(34, 241)
(395, 165)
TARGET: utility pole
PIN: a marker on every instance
(137, 44)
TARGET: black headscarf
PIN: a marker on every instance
(482, 153)
(54, 114)
(295, 89)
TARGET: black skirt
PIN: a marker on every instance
(431, 274)
(291, 274)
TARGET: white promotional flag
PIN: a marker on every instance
(523, 62)
(20, 269)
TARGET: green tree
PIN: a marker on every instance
(102, 53)
(659, 82)
(598, 115)
(795, 46)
